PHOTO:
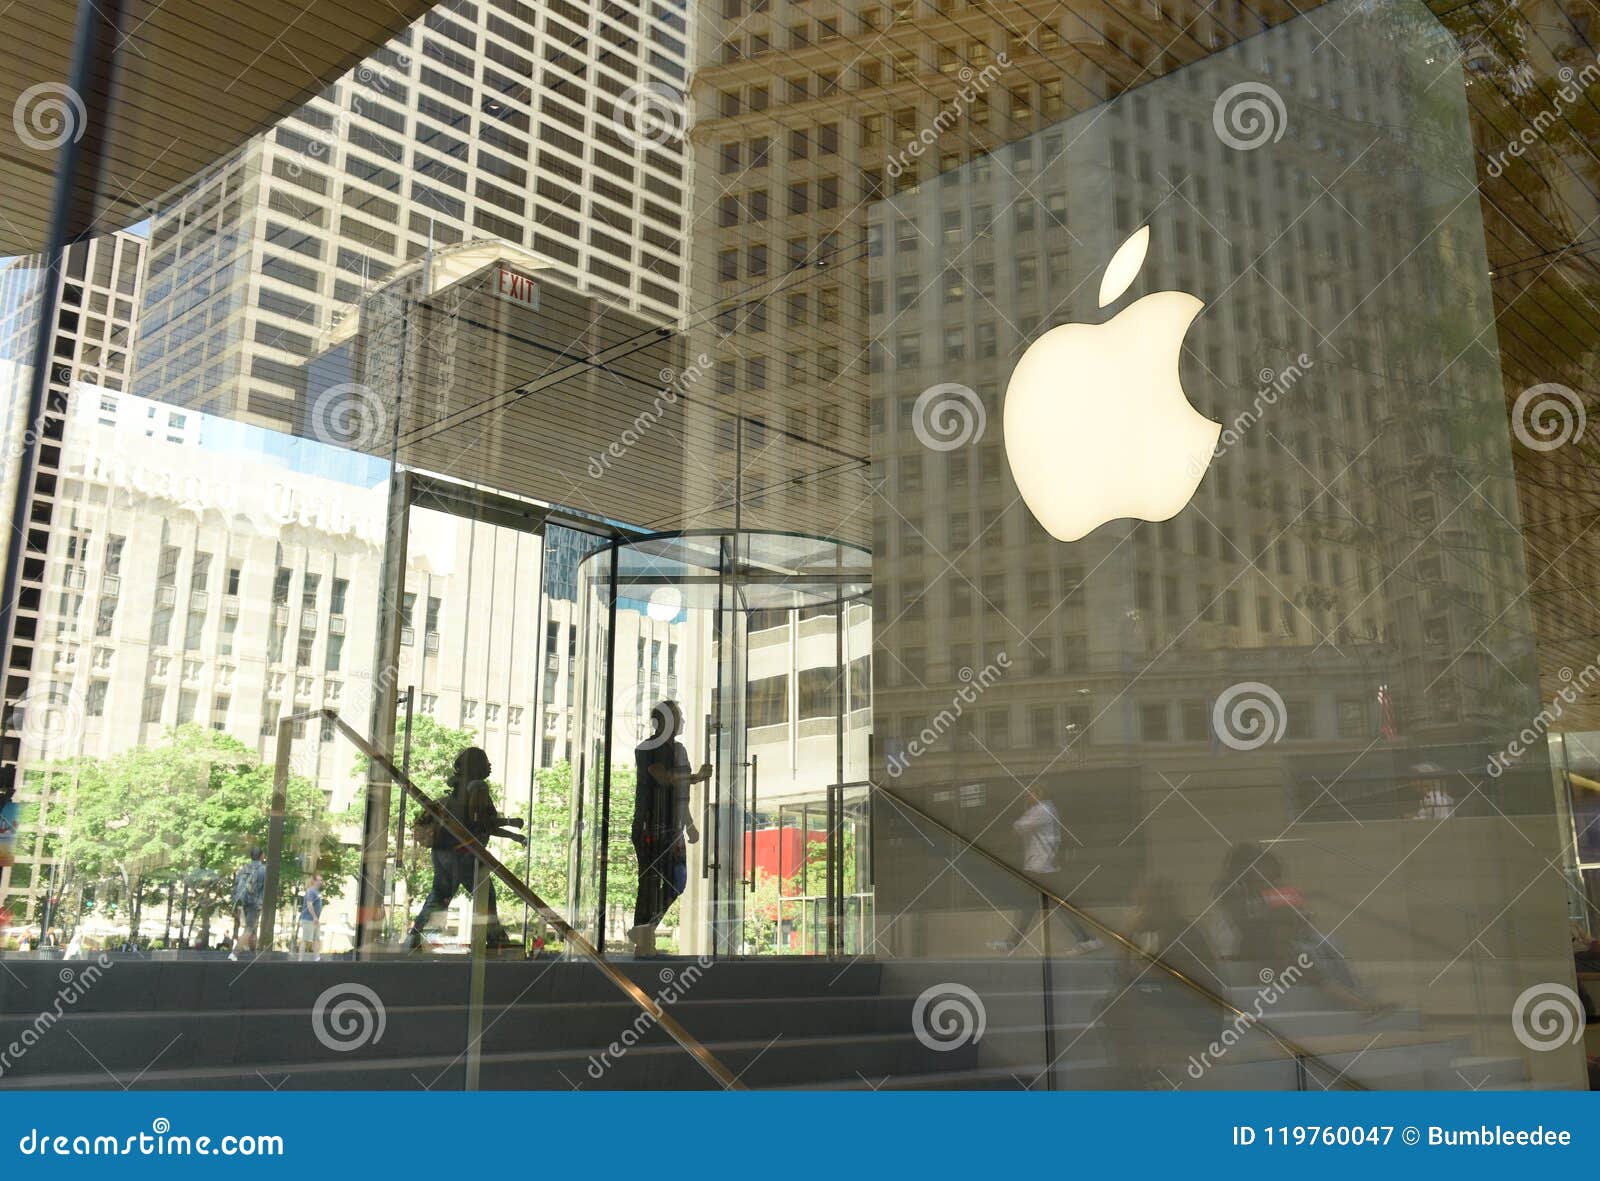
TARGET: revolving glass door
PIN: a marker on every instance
(761, 644)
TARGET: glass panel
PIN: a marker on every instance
(1167, 419)
(757, 618)
(203, 578)
(1208, 600)
(590, 902)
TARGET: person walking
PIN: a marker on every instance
(1039, 827)
(662, 824)
(311, 918)
(455, 867)
(8, 815)
(249, 892)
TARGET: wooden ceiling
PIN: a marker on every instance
(187, 80)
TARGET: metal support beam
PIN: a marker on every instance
(91, 79)
(280, 805)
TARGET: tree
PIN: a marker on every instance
(550, 839)
(190, 808)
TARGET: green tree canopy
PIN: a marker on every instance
(190, 808)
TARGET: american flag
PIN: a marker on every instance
(1386, 726)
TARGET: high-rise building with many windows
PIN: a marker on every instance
(805, 115)
(486, 119)
(100, 288)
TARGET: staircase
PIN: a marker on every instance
(776, 1023)
(546, 1025)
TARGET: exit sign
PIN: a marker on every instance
(518, 289)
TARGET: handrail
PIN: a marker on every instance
(1296, 1051)
(704, 1057)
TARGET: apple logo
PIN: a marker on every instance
(1097, 425)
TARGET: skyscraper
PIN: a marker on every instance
(483, 120)
(100, 289)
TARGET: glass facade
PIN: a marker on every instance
(968, 543)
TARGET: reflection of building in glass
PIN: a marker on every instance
(503, 120)
(807, 115)
(1318, 555)
(100, 296)
(100, 291)
(457, 298)
(205, 571)
(1352, 547)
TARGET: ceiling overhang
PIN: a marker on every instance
(177, 85)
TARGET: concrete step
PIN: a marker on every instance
(1482, 1072)
(265, 1037)
(798, 1023)
(140, 985)
(816, 1061)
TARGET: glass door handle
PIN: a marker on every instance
(755, 761)
(705, 809)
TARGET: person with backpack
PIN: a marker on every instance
(455, 868)
(249, 891)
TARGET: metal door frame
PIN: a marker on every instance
(410, 489)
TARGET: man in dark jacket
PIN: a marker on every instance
(662, 825)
